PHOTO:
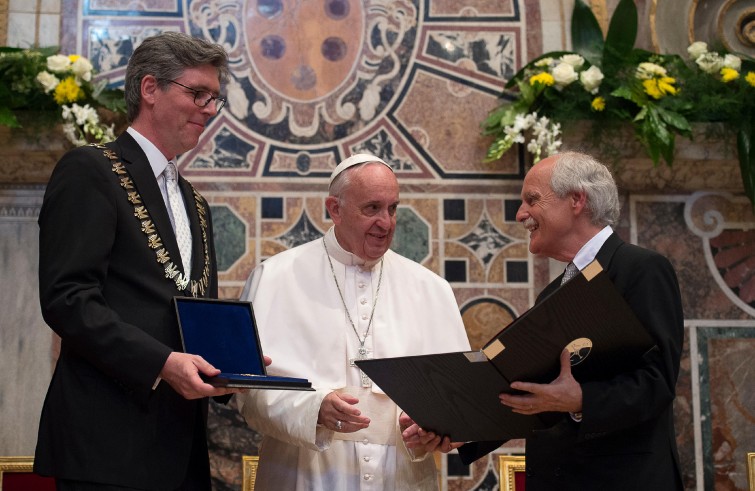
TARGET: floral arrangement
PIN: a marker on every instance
(46, 82)
(608, 81)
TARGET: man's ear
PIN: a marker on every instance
(149, 87)
(334, 209)
(578, 201)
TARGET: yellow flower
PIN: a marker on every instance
(659, 87)
(68, 91)
(542, 78)
(73, 58)
(651, 88)
(728, 74)
(598, 104)
(750, 78)
(666, 85)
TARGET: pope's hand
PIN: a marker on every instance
(424, 441)
(338, 412)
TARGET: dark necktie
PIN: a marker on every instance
(569, 273)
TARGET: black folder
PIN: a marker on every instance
(224, 333)
(456, 394)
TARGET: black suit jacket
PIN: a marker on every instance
(104, 292)
(626, 440)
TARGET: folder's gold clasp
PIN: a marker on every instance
(592, 270)
(493, 349)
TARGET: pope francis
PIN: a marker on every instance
(320, 306)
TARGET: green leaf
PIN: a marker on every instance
(492, 122)
(623, 92)
(668, 151)
(586, 35)
(676, 120)
(659, 132)
(641, 115)
(622, 33)
(111, 99)
(7, 118)
(646, 136)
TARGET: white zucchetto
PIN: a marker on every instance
(356, 159)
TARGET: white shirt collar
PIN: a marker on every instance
(342, 255)
(157, 160)
(587, 253)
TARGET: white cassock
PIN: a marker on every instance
(304, 328)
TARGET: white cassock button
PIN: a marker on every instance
(361, 285)
(365, 441)
(367, 459)
(364, 317)
(367, 477)
(363, 301)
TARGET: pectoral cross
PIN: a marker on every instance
(362, 354)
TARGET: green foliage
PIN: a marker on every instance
(586, 35)
(69, 84)
(612, 81)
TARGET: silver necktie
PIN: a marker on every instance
(180, 218)
(570, 272)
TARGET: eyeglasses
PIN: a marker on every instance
(202, 98)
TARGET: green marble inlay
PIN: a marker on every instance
(229, 233)
(412, 237)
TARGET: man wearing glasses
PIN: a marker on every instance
(120, 235)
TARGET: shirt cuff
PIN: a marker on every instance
(576, 417)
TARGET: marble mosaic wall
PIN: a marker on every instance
(410, 81)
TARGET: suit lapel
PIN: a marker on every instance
(608, 249)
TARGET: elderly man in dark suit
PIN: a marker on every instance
(126, 409)
(616, 432)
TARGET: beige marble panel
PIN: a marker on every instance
(26, 343)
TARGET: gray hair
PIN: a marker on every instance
(166, 56)
(574, 172)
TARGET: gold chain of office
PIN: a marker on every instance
(154, 241)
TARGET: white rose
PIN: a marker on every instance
(48, 81)
(58, 63)
(710, 62)
(591, 79)
(574, 60)
(82, 68)
(697, 49)
(733, 62)
(564, 74)
(544, 62)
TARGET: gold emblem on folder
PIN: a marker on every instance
(579, 350)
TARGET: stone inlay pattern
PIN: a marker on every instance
(724, 223)
(229, 234)
(315, 81)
